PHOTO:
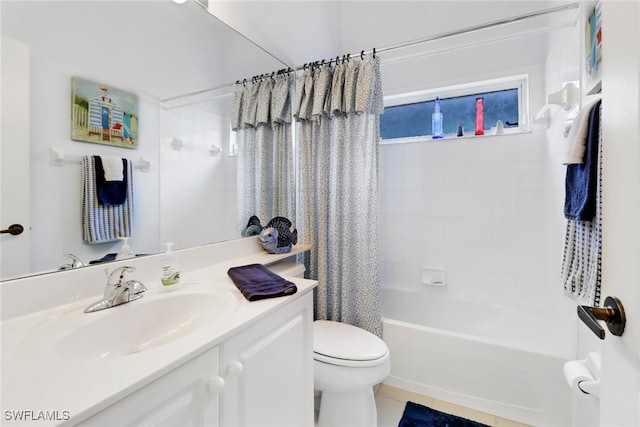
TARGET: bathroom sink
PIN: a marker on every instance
(141, 325)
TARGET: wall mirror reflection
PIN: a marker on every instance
(159, 50)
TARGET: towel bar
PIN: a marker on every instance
(58, 158)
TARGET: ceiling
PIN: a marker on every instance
(303, 31)
(156, 47)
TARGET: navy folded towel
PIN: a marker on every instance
(257, 282)
(110, 193)
(109, 257)
(581, 179)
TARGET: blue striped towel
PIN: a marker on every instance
(102, 223)
(582, 257)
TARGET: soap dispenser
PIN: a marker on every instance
(170, 268)
(125, 251)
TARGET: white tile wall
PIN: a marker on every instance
(477, 207)
(196, 187)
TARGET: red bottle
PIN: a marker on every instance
(479, 117)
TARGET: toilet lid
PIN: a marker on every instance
(338, 340)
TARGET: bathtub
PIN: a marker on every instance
(502, 361)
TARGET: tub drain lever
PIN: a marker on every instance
(612, 313)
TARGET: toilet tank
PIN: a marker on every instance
(288, 268)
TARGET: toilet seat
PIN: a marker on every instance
(341, 344)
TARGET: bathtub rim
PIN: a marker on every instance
(554, 348)
(512, 411)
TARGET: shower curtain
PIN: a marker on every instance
(338, 135)
(261, 117)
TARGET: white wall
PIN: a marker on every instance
(132, 46)
(487, 210)
(187, 197)
(56, 191)
(198, 190)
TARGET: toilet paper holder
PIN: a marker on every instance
(612, 313)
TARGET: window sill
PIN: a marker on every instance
(451, 136)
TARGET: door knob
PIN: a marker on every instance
(612, 313)
(14, 229)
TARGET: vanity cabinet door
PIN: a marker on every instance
(268, 369)
(186, 396)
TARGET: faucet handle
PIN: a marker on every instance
(116, 277)
(74, 262)
(135, 287)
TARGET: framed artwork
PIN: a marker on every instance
(593, 48)
(103, 115)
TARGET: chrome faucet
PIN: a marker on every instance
(117, 291)
(74, 262)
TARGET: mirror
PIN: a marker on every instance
(160, 51)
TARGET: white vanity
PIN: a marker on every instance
(198, 355)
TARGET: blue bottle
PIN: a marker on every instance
(436, 121)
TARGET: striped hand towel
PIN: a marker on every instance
(102, 223)
(582, 256)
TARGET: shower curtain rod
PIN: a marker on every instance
(474, 28)
(403, 45)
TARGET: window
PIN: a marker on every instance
(409, 115)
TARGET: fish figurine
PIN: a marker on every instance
(253, 227)
(276, 237)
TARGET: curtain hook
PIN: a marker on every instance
(374, 52)
(362, 55)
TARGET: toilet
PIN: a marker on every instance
(348, 362)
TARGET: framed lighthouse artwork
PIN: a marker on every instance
(102, 114)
